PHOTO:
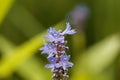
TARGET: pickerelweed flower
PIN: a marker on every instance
(55, 48)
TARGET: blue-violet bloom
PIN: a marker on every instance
(59, 60)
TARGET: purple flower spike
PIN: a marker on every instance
(59, 60)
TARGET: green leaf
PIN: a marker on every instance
(5, 5)
(21, 54)
(31, 69)
(23, 20)
(97, 58)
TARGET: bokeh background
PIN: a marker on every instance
(94, 49)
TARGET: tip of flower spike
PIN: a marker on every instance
(68, 30)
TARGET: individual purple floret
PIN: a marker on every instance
(64, 62)
(68, 30)
(53, 35)
(59, 60)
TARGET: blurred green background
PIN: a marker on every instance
(95, 50)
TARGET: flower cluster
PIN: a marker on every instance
(59, 60)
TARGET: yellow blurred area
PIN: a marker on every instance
(5, 6)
